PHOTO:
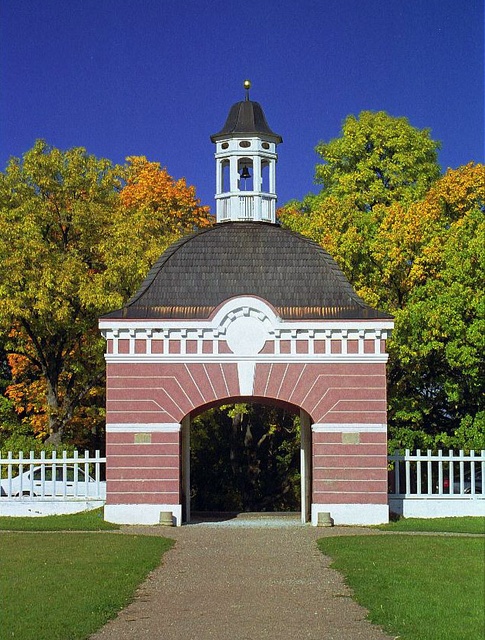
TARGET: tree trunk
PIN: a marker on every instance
(235, 447)
(56, 424)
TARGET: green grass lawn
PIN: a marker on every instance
(450, 525)
(84, 521)
(64, 586)
(416, 587)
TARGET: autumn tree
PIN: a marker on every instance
(153, 211)
(8, 416)
(437, 368)
(74, 241)
(411, 242)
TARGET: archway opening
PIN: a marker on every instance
(246, 174)
(245, 457)
(225, 176)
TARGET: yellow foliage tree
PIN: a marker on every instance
(77, 236)
(423, 260)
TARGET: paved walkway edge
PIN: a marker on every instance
(243, 583)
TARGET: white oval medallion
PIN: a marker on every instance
(246, 336)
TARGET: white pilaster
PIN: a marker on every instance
(186, 465)
(305, 465)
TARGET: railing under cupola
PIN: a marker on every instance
(248, 206)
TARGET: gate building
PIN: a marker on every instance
(246, 311)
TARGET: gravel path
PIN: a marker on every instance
(243, 581)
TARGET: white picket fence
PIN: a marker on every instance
(444, 474)
(421, 484)
(56, 483)
(446, 483)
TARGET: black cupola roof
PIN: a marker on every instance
(246, 118)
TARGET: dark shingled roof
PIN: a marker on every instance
(246, 117)
(200, 271)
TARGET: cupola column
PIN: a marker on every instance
(218, 177)
(234, 174)
(257, 177)
(272, 176)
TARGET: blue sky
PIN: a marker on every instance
(157, 77)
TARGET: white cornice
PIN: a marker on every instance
(245, 324)
(223, 358)
(160, 325)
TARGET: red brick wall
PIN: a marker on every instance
(345, 470)
(350, 468)
(143, 468)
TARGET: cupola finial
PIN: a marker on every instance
(247, 86)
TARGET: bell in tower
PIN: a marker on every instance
(246, 165)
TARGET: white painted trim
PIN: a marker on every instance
(319, 427)
(186, 465)
(255, 303)
(305, 465)
(245, 373)
(161, 427)
(173, 358)
(432, 507)
(352, 514)
(229, 318)
(40, 507)
(243, 306)
(141, 513)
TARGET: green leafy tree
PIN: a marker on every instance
(69, 253)
(371, 173)
(410, 242)
(437, 368)
(377, 160)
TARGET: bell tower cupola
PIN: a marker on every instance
(246, 165)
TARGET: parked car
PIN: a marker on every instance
(69, 481)
(467, 482)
